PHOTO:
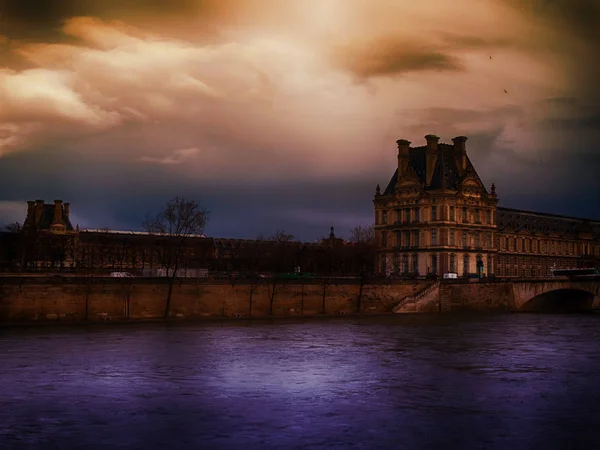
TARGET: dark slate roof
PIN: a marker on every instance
(517, 219)
(48, 217)
(445, 169)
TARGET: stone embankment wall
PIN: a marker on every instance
(518, 295)
(25, 299)
(445, 297)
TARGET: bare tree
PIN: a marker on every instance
(254, 256)
(180, 220)
(362, 234)
(282, 236)
(126, 291)
(362, 239)
(14, 227)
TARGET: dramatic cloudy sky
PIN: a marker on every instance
(280, 114)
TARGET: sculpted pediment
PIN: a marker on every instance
(471, 182)
(408, 181)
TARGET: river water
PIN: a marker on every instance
(515, 381)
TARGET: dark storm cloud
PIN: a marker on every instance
(483, 128)
(470, 42)
(574, 32)
(394, 56)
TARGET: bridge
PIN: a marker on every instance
(548, 295)
(551, 295)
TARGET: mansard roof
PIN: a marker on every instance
(516, 219)
(48, 217)
(445, 172)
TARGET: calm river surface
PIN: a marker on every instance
(414, 382)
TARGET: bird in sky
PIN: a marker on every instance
(505, 91)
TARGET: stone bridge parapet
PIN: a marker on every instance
(506, 295)
(524, 291)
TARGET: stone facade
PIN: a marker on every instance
(436, 216)
(530, 244)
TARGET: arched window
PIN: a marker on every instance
(479, 259)
(452, 263)
(466, 265)
(434, 263)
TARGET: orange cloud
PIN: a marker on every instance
(276, 89)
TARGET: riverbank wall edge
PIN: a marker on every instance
(36, 299)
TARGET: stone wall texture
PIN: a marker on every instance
(67, 299)
(39, 299)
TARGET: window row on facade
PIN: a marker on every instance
(434, 213)
(436, 237)
(531, 266)
(436, 263)
(548, 246)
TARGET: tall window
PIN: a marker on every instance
(434, 237)
(405, 267)
(488, 216)
(384, 238)
(434, 212)
(451, 236)
(406, 242)
(477, 240)
(398, 238)
(466, 264)
(433, 263)
(479, 264)
(464, 238)
(452, 214)
(417, 214)
(407, 215)
(384, 217)
(398, 215)
(415, 264)
(464, 214)
(477, 216)
(452, 263)
(488, 239)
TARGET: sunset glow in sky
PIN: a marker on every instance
(279, 114)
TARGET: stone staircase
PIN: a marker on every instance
(426, 300)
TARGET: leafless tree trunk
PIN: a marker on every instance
(302, 298)
(273, 289)
(178, 222)
(325, 283)
(254, 283)
(127, 289)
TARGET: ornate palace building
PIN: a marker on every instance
(436, 216)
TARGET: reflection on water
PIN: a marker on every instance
(490, 382)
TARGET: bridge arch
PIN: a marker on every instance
(532, 295)
(562, 300)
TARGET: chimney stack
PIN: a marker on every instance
(460, 150)
(403, 156)
(57, 212)
(29, 220)
(39, 211)
(67, 210)
(430, 156)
